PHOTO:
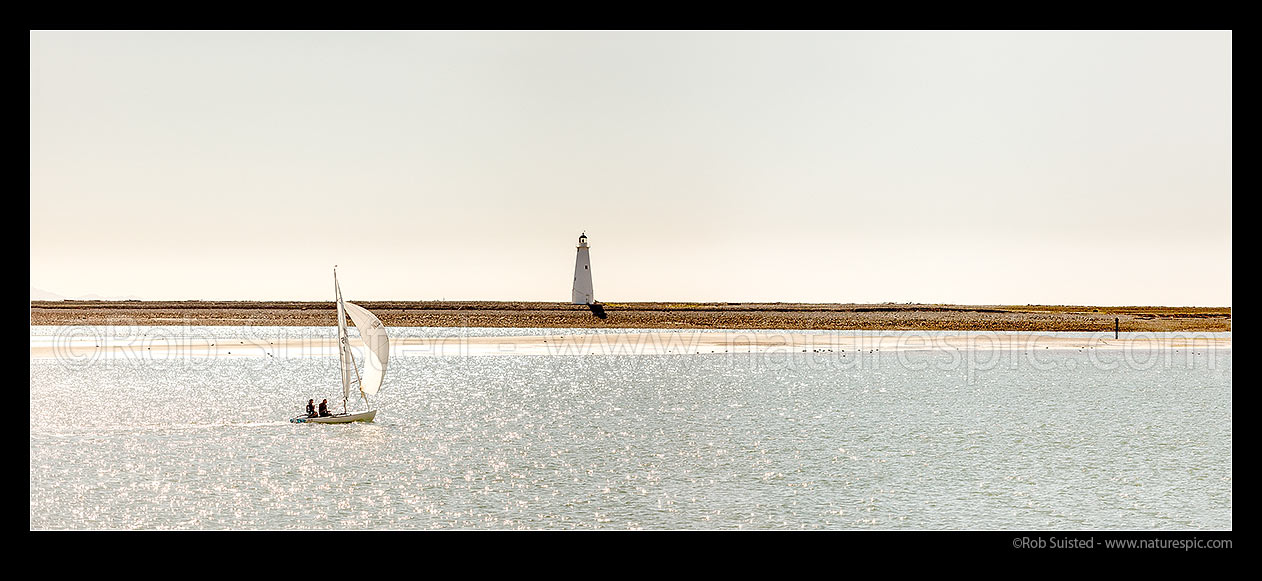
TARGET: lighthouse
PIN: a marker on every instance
(583, 294)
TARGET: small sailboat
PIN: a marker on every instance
(373, 334)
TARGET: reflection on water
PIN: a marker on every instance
(639, 441)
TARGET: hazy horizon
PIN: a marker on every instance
(1076, 168)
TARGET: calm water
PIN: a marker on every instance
(920, 440)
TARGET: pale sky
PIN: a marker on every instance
(957, 167)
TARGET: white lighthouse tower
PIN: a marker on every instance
(583, 294)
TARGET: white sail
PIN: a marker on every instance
(343, 342)
(373, 333)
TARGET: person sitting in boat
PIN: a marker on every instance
(324, 408)
(311, 409)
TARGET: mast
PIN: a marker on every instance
(345, 354)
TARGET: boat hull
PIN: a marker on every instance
(337, 418)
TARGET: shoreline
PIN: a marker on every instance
(165, 346)
(680, 315)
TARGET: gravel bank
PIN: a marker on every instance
(888, 316)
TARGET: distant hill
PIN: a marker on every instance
(39, 294)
